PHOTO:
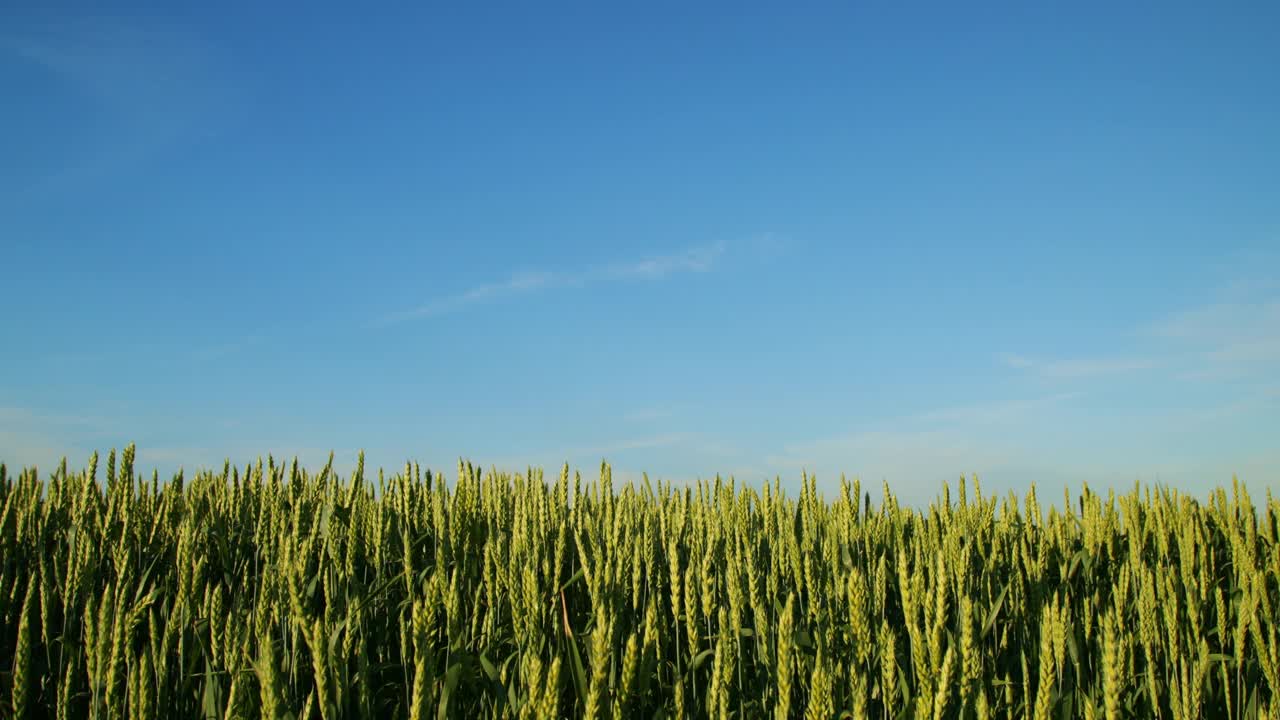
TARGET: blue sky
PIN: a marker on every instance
(1040, 244)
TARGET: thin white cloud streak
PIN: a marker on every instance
(27, 418)
(591, 455)
(700, 259)
(101, 355)
(650, 414)
(906, 454)
(518, 283)
(39, 448)
(42, 438)
(916, 453)
(1237, 340)
(694, 260)
(913, 462)
(169, 459)
(1077, 367)
(1224, 322)
(34, 438)
(990, 413)
(643, 443)
(144, 89)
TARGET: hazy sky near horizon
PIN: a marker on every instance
(904, 243)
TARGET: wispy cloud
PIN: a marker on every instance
(650, 414)
(693, 260)
(1235, 337)
(587, 456)
(218, 351)
(28, 418)
(168, 459)
(1226, 340)
(991, 412)
(1223, 321)
(143, 89)
(641, 443)
(916, 452)
(516, 284)
(1068, 368)
(914, 462)
(699, 259)
(23, 449)
(30, 437)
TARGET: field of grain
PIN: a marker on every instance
(271, 591)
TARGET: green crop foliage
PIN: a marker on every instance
(271, 591)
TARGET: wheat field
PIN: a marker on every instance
(272, 591)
